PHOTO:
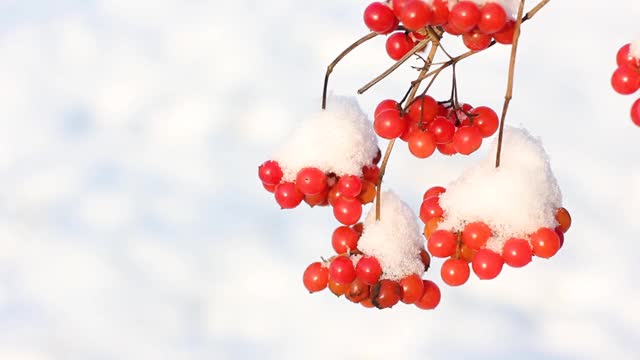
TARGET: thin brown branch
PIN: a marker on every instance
(512, 68)
(535, 9)
(335, 62)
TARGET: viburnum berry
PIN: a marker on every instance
(476, 41)
(466, 253)
(367, 303)
(505, 36)
(359, 228)
(624, 58)
(476, 234)
(487, 264)
(342, 270)
(390, 124)
(447, 149)
(398, 5)
(350, 186)
(368, 270)
(455, 272)
(430, 208)
(442, 243)
(347, 210)
(368, 193)
(415, 15)
(412, 288)
(430, 297)
(288, 196)
(380, 18)
(344, 239)
(439, 12)
(319, 199)
(422, 144)
(270, 173)
(338, 289)
(377, 158)
(311, 180)
(358, 291)
(385, 105)
(371, 173)
(492, 18)
(625, 80)
(486, 120)
(385, 294)
(450, 29)
(334, 195)
(315, 277)
(545, 243)
(433, 191)
(270, 188)
(398, 45)
(423, 109)
(517, 252)
(467, 139)
(635, 112)
(431, 226)
(564, 219)
(464, 16)
(443, 129)
(426, 259)
(560, 235)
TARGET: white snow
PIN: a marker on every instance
(395, 240)
(515, 199)
(339, 139)
(635, 49)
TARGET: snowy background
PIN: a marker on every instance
(133, 226)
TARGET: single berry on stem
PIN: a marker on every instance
(487, 264)
(545, 243)
(344, 239)
(347, 210)
(422, 144)
(625, 80)
(270, 173)
(311, 180)
(485, 119)
(415, 15)
(464, 16)
(467, 140)
(288, 196)
(368, 270)
(476, 41)
(398, 45)
(492, 18)
(380, 18)
(455, 272)
(385, 294)
(341, 270)
(517, 252)
(315, 277)
(442, 243)
(564, 219)
(350, 186)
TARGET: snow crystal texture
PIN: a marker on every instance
(339, 139)
(635, 49)
(515, 199)
(395, 240)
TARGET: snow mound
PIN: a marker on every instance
(515, 200)
(395, 240)
(339, 139)
(635, 49)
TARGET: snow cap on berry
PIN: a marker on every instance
(394, 240)
(635, 49)
(515, 200)
(339, 139)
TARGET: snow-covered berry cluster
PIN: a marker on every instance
(626, 78)
(478, 21)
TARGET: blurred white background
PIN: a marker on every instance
(133, 225)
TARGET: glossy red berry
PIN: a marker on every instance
(434, 191)
(476, 41)
(338, 289)
(311, 181)
(517, 252)
(439, 12)
(464, 16)
(288, 196)
(443, 129)
(398, 45)
(319, 199)
(625, 80)
(430, 297)
(476, 234)
(505, 36)
(270, 173)
(390, 124)
(350, 186)
(341, 270)
(385, 294)
(412, 289)
(344, 239)
(368, 270)
(492, 18)
(564, 219)
(486, 120)
(423, 109)
(430, 208)
(415, 15)
(455, 272)
(315, 277)
(426, 259)
(358, 291)
(624, 58)
(467, 139)
(371, 173)
(447, 149)
(442, 243)
(380, 18)
(388, 104)
(422, 144)
(545, 243)
(270, 188)
(347, 210)
(635, 112)
(487, 264)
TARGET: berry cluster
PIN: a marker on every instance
(626, 78)
(479, 22)
(360, 279)
(428, 125)
(346, 194)
(470, 244)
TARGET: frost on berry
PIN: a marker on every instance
(515, 200)
(337, 140)
(394, 240)
(635, 49)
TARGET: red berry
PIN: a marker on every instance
(425, 258)
(434, 191)
(564, 219)
(467, 140)
(338, 289)
(430, 208)
(398, 5)
(368, 270)
(371, 173)
(635, 112)
(341, 270)
(545, 243)
(270, 188)
(476, 234)
(412, 288)
(455, 272)
(423, 109)
(347, 210)
(415, 15)
(442, 243)
(311, 180)
(487, 264)
(625, 80)
(315, 277)
(492, 18)
(288, 196)
(505, 36)
(558, 231)
(389, 124)
(377, 158)
(380, 18)
(450, 29)
(350, 186)
(464, 16)
(447, 149)
(443, 129)
(334, 195)
(344, 239)
(476, 41)
(367, 303)
(624, 58)
(517, 252)
(368, 193)
(440, 12)
(385, 294)
(358, 291)
(319, 199)
(270, 173)
(486, 120)
(386, 105)
(398, 45)
(430, 297)
(422, 144)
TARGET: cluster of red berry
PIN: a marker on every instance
(358, 276)
(469, 245)
(478, 24)
(626, 78)
(428, 125)
(346, 194)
